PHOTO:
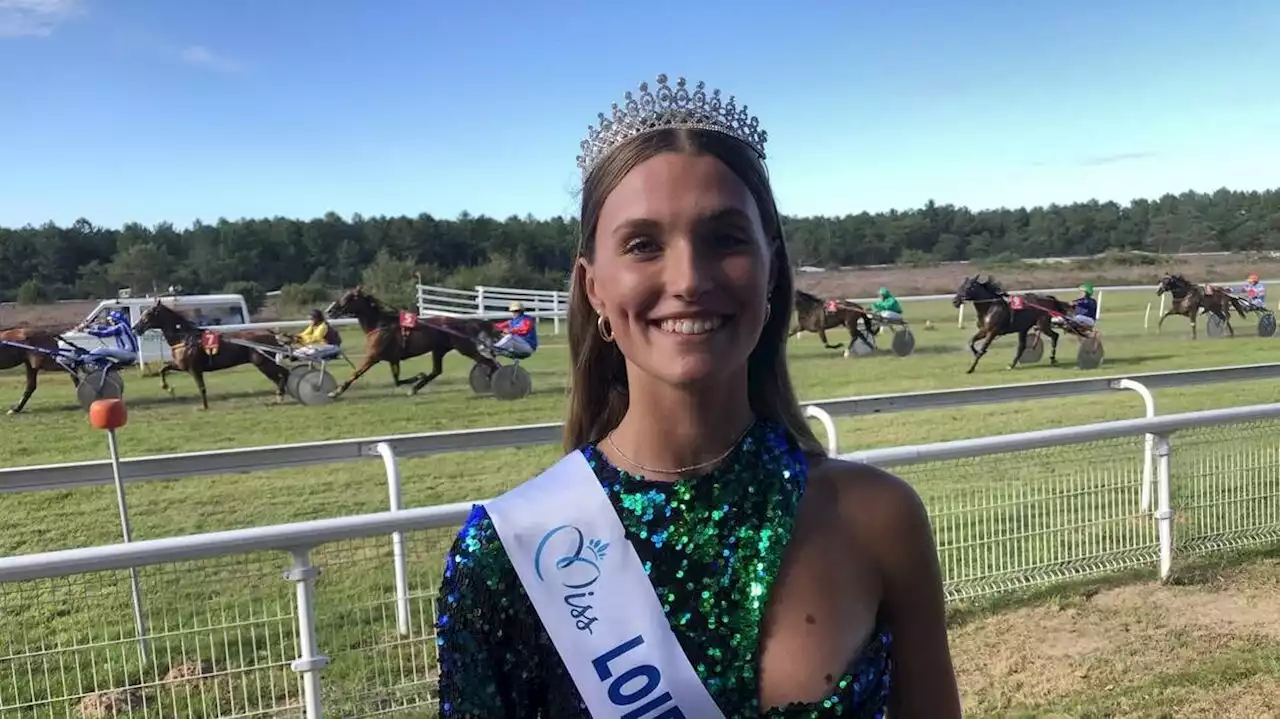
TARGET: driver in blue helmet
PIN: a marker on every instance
(116, 326)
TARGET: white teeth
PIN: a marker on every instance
(692, 326)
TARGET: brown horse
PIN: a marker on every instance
(189, 354)
(1189, 299)
(31, 360)
(817, 315)
(385, 340)
(1000, 314)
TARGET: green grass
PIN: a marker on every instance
(54, 429)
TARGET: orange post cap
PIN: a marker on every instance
(108, 414)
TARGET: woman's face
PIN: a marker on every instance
(681, 269)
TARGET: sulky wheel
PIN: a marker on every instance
(313, 386)
(1090, 354)
(1034, 351)
(859, 348)
(1215, 326)
(99, 384)
(1266, 325)
(512, 382)
(291, 382)
(904, 343)
(481, 378)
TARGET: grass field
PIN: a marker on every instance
(54, 430)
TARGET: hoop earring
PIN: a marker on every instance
(605, 328)
(768, 308)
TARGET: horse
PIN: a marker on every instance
(190, 355)
(1189, 299)
(385, 340)
(817, 315)
(998, 314)
(32, 360)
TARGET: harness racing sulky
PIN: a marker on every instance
(197, 351)
(393, 336)
(815, 314)
(95, 376)
(1030, 315)
(1191, 300)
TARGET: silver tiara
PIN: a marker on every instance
(668, 107)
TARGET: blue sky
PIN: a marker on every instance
(155, 110)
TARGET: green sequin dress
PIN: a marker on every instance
(711, 545)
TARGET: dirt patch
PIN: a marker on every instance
(1138, 650)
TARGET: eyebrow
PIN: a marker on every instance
(722, 215)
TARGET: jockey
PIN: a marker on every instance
(887, 306)
(1085, 306)
(117, 325)
(1255, 291)
(520, 333)
(315, 337)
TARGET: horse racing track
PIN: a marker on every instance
(222, 632)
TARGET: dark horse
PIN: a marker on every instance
(817, 315)
(1000, 314)
(386, 341)
(30, 359)
(190, 355)
(1189, 299)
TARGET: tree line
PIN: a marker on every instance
(307, 259)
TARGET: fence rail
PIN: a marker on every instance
(251, 459)
(228, 636)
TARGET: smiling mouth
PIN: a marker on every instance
(692, 326)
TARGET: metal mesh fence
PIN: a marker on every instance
(221, 634)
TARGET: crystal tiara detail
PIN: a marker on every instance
(669, 107)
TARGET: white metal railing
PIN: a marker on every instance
(250, 459)
(998, 525)
(493, 302)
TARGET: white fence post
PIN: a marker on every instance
(960, 317)
(1099, 305)
(828, 424)
(480, 300)
(1146, 318)
(555, 312)
(310, 661)
(1164, 512)
(1149, 403)
(392, 468)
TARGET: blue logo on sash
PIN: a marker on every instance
(577, 568)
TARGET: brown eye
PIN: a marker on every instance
(640, 246)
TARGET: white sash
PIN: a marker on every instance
(594, 598)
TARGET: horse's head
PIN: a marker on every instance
(160, 317)
(353, 303)
(1171, 283)
(965, 292)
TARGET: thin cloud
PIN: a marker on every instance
(36, 18)
(203, 57)
(1117, 157)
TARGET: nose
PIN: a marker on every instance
(688, 273)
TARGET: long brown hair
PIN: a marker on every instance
(598, 392)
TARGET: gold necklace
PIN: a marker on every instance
(682, 470)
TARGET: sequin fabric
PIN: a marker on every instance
(711, 545)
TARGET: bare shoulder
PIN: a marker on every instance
(882, 505)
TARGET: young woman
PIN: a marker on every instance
(694, 554)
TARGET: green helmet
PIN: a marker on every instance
(1087, 288)
(884, 291)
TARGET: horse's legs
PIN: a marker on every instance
(278, 375)
(977, 355)
(976, 336)
(822, 335)
(27, 391)
(1022, 347)
(437, 367)
(164, 377)
(1053, 344)
(369, 361)
(395, 374)
(198, 375)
